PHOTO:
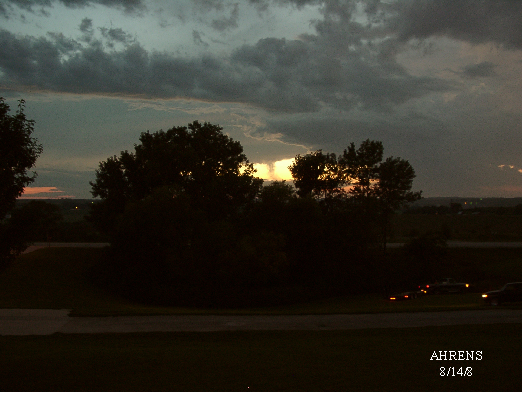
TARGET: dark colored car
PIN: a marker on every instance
(511, 292)
(446, 285)
(403, 296)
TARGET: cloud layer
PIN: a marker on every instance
(438, 81)
(347, 64)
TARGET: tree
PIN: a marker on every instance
(316, 174)
(376, 188)
(277, 193)
(360, 168)
(383, 186)
(18, 153)
(199, 161)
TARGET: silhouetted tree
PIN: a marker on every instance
(393, 191)
(360, 168)
(201, 161)
(380, 186)
(376, 187)
(316, 174)
(277, 193)
(18, 153)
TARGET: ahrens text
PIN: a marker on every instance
(457, 355)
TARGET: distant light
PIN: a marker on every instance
(406, 296)
(467, 285)
(392, 298)
(484, 295)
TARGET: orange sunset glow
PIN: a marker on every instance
(43, 193)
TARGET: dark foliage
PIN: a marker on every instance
(18, 153)
(189, 227)
(27, 223)
(198, 160)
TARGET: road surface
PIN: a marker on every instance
(44, 322)
(452, 244)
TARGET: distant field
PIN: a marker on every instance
(56, 278)
(465, 227)
(485, 226)
(356, 360)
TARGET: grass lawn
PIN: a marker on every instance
(55, 278)
(355, 360)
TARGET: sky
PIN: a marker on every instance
(438, 82)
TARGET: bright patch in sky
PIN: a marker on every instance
(278, 170)
(39, 190)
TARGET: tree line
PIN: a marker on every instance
(190, 223)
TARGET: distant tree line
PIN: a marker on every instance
(189, 223)
(457, 209)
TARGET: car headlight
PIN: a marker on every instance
(484, 295)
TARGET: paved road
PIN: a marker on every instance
(452, 244)
(458, 244)
(37, 246)
(43, 322)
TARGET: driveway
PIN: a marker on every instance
(43, 322)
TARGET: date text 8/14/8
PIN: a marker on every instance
(455, 372)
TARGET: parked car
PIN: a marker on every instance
(403, 296)
(446, 285)
(511, 292)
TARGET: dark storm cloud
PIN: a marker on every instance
(342, 66)
(475, 21)
(227, 23)
(116, 35)
(86, 26)
(39, 6)
(128, 6)
(334, 133)
(315, 72)
(198, 40)
(276, 74)
(264, 4)
(36, 7)
(484, 69)
(63, 43)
